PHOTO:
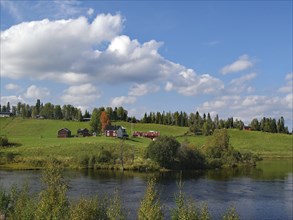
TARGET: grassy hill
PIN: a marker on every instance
(37, 139)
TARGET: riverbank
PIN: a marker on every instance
(33, 141)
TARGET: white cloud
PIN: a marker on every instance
(31, 50)
(248, 107)
(13, 100)
(143, 89)
(122, 100)
(90, 11)
(188, 83)
(11, 86)
(240, 85)
(243, 63)
(81, 95)
(35, 92)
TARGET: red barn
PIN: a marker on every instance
(148, 134)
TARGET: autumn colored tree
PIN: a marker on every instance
(104, 120)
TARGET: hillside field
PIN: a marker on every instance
(35, 139)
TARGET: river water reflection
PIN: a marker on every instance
(264, 192)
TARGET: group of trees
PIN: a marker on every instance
(216, 153)
(198, 124)
(269, 125)
(47, 110)
(99, 120)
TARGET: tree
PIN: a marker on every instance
(281, 125)
(38, 107)
(53, 202)
(254, 125)
(104, 120)
(58, 112)
(79, 115)
(8, 109)
(95, 122)
(163, 151)
(150, 207)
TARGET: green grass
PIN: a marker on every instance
(37, 139)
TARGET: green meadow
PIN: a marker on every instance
(33, 140)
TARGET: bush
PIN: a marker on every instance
(190, 158)
(105, 156)
(89, 209)
(3, 142)
(163, 151)
(53, 203)
(150, 207)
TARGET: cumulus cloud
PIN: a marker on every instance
(240, 85)
(11, 86)
(122, 100)
(243, 63)
(81, 95)
(143, 89)
(188, 83)
(35, 92)
(51, 49)
(90, 11)
(248, 107)
(70, 51)
(13, 100)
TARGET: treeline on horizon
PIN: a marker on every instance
(198, 124)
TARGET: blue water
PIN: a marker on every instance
(264, 192)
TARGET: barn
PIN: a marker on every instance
(148, 134)
(64, 133)
(83, 132)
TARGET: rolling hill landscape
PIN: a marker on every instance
(33, 140)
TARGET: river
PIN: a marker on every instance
(264, 192)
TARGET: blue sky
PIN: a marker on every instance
(223, 57)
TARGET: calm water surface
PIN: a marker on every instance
(264, 192)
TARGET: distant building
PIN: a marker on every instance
(5, 114)
(147, 134)
(83, 132)
(111, 131)
(246, 128)
(115, 131)
(64, 133)
(121, 133)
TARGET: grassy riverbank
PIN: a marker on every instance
(35, 140)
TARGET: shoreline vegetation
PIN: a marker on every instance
(33, 141)
(53, 203)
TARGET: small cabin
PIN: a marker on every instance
(110, 131)
(246, 128)
(64, 133)
(83, 132)
(121, 132)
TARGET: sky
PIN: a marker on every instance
(231, 58)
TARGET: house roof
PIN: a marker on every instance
(112, 127)
(66, 129)
(83, 129)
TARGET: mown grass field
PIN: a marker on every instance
(37, 139)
